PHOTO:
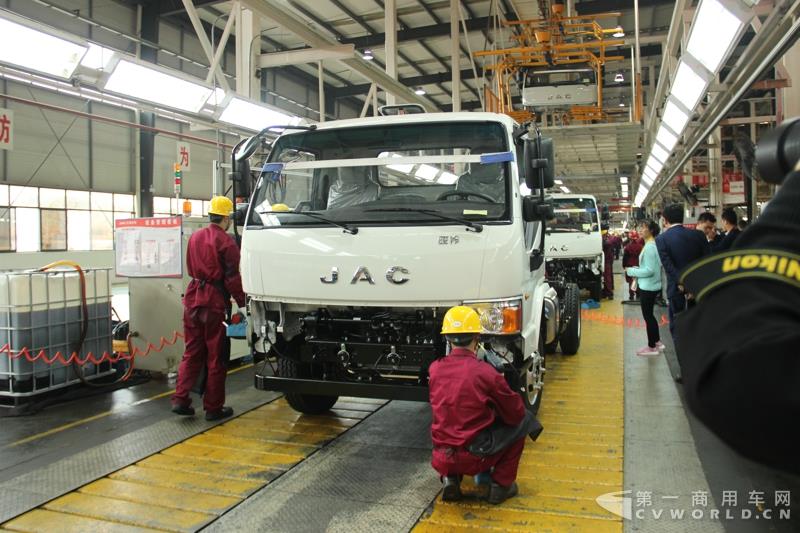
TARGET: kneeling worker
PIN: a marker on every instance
(212, 260)
(469, 400)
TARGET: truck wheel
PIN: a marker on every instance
(534, 380)
(310, 404)
(571, 338)
(597, 290)
(551, 347)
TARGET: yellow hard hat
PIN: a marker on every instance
(461, 319)
(280, 208)
(221, 205)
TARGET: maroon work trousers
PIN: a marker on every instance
(204, 336)
(454, 462)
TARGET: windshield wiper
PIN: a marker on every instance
(347, 228)
(471, 226)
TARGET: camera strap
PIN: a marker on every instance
(720, 269)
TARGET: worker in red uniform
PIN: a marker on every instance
(630, 258)
(466, 396)
(608, 264)
(212, 260)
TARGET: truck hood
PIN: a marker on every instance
(579, 244)
(441, 265)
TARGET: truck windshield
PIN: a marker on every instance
(574, 214)
(370, 174)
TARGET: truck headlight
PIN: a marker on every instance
(501, 317)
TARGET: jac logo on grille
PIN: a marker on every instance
(395, 275)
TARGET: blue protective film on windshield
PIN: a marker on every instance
(499, 157)
(272, 171)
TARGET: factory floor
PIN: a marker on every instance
(619, 453)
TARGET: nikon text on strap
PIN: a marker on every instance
(720, 269)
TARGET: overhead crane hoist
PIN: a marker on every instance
(568, 50)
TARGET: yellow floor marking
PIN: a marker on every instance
(257, 433)
(43, 521)
(238, 443)
(578, 457)
(124, 512)
(285, 426)
(210, 468)
(239, 457)
(184, 500)
(104, 414)
(188, 485)
(193, 481)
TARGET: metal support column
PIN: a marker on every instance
(246, 32)
(321, 91)
(455, 54)
(390, 24)
(149, 16)
(715, 171)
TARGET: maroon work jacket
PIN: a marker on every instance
(212, 260)
(466, 395)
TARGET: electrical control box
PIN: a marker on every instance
(156, 311)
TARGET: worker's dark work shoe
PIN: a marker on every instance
(183, 410)
(225, 412)
(452, 489)
(499, 493)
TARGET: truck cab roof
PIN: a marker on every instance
(420, 118)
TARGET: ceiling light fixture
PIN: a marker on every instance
(619, 32)
(623, 179)
(558, 182)
(565, 189)
(367, 56)
(251, 116)
(619, 78)
(419, 91)
(689, 85)
(97, 58)
(32, 49)
(155, 85)
(659, 153)
(666, 138)
(675, 117)
(714, 32)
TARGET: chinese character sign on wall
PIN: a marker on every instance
(184, 157)
(6, 129)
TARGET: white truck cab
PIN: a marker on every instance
(574, 242)
(360, 234)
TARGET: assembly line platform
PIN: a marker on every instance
(617, 446)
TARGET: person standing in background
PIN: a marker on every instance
(648, 277)
(608, 264)
(731, 228)
(630, 258)
(707, 223)
(677, 247)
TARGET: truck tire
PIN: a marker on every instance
(571, 337)
(530, 397)
(310, 404)
(596, 290)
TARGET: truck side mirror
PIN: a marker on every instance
(604, 213)
(534, 209)
(242, 178)
(539, 166)
(247, 149)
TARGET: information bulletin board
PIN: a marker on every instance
(148, 247)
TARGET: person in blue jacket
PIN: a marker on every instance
(648, 277)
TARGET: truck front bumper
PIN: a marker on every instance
(416, 393)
